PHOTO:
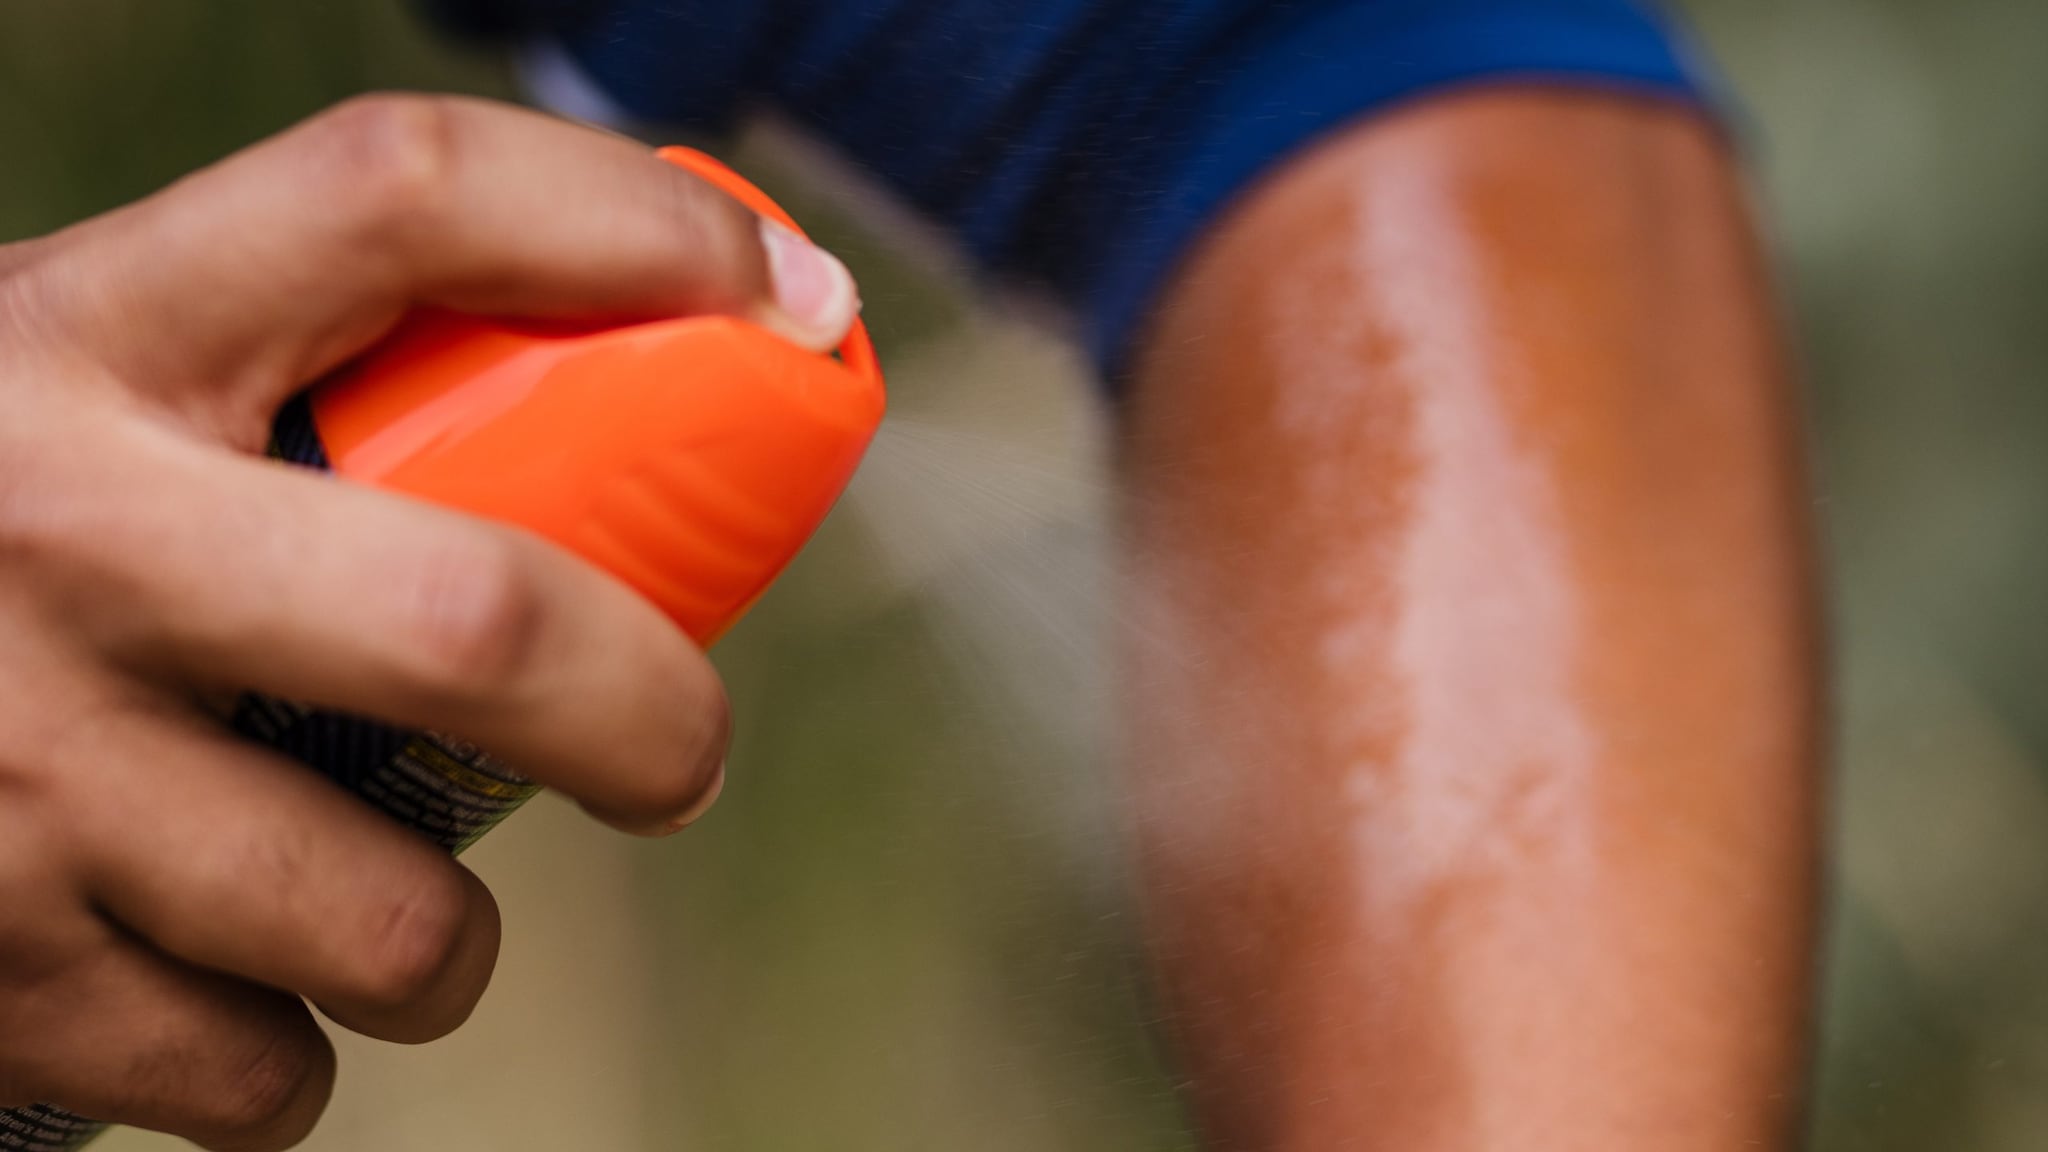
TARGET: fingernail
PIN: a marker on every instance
(696, 811)
(812, 288)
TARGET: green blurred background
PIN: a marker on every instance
(906, 927)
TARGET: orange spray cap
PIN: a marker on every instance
(690, 458)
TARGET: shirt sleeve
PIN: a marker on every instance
(1082, 144)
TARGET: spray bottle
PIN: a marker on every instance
(704, 453)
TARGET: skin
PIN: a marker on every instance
(1473, 651)
(171, 897)
(1475, 674)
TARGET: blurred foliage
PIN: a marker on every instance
(1902, 146)
(102, 101)
(906, 929)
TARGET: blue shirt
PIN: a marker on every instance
(1079, 143)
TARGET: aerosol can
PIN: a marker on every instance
(689, 458)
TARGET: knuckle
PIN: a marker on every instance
(24, 296)
(396, 153)
(412, 940)
(284, 855)
(261, 1087)
(28, 292)
(474, 612)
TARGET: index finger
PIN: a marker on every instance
(234, 287)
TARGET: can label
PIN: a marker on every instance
(442, 787)
(41, 1128)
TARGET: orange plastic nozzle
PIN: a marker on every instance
(690, 458)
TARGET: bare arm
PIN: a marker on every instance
(1474, 647)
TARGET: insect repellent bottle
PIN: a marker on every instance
(689, 458)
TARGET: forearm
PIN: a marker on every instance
(1473, 646)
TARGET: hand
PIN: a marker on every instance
(167, 892)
